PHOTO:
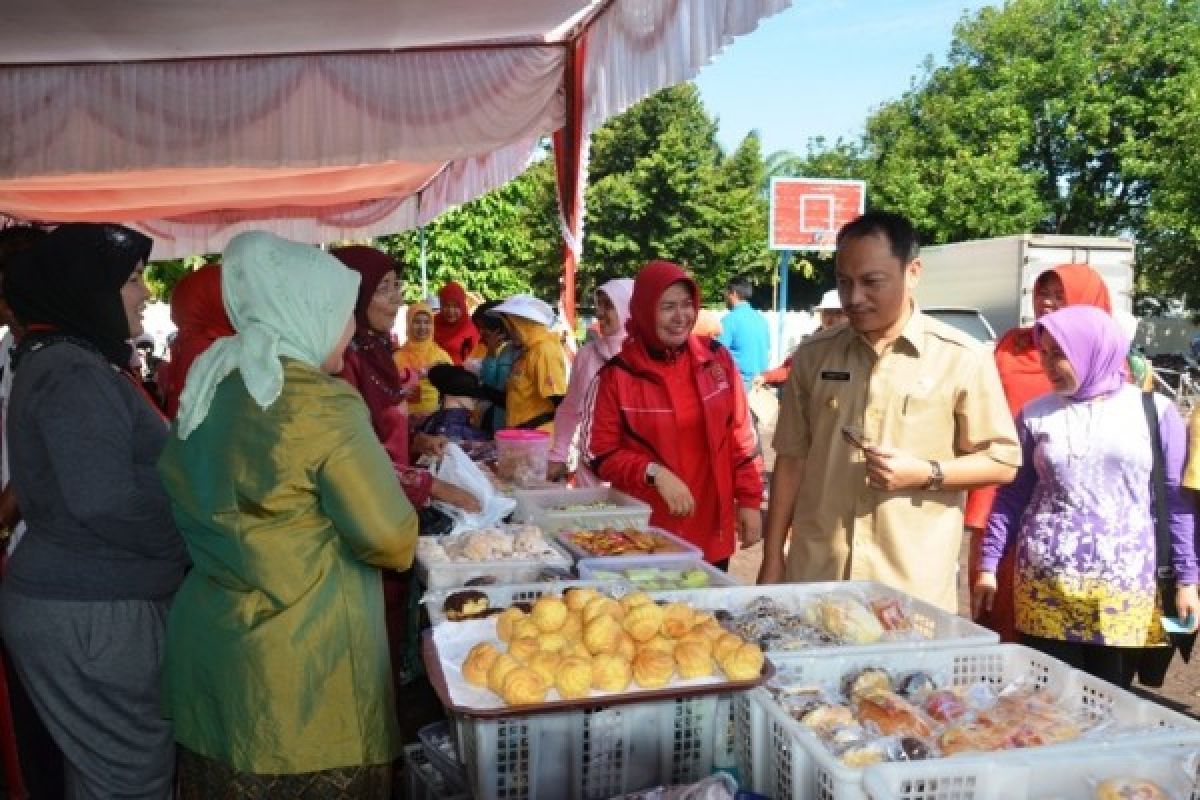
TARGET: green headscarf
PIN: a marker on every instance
(284, 299)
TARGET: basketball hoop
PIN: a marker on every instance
(807, 213)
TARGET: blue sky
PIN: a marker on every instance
(819, 68)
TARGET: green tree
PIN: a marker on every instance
(1060, 116)
(502, 243)
(660, 187)
(161, 276)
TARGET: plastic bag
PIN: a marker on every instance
(458, 469)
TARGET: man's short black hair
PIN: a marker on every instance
(16, 238)
(741, 286)
(896, 228)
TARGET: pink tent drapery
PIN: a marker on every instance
(322, 120)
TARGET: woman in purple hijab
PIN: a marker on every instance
(1080, 511)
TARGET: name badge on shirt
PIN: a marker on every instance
(833, 375)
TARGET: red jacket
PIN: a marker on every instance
(628, 424)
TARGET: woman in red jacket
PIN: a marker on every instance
(667, 422)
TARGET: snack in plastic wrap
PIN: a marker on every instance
(1130, 789)
(847, 618)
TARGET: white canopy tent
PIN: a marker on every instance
(322, 120)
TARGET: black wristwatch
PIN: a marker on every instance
(936, 477)
(651, 473)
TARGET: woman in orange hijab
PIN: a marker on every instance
(199, 316)
(1023, 378)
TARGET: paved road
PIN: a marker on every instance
(1181, 690)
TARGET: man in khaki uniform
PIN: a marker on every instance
(884, 424)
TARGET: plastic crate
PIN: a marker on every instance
(425, 782)
(935, 626)
(598, 753)
(785, 759)
(537, 506)
(433, 738)
(502, 596)
(454, 574)
(1063, 778)
(588, 567)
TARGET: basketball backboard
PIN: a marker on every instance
(807, 213)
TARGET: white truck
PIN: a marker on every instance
(993, 278)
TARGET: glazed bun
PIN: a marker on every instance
(635, 599)
(545, 663)
(602, 605)
(677, 620)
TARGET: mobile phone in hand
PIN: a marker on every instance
(854, 436)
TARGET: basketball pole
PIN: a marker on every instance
(785, 260)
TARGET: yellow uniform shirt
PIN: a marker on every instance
(933, 393)
(538, 374)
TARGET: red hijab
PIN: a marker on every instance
(458, 338)
(654, 279)
(198, 312)
(1017, 358)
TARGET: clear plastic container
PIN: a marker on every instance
(655, 573)
(555, 509)
(674, 547)
(522, 456)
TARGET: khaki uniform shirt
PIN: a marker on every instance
(933, 393)
(1191, 470)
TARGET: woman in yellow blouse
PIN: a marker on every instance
(277, 677)
(420, 352)
(538, 380)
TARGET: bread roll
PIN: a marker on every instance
(499, 670)
(505, 621)
(602, 635)
(525, 628)
(602, 605)
(524, 686)
(653, 670)
(743, 664)
(677, 620)
(626, 648)
(579, 597)
(553, 642)
(549, 613)
(573, 677)
(693, 659)
(610, 673)
(643, 622)
(726, 643)
(545, 663)
(522, 649)
(635, 599)
(477, 663)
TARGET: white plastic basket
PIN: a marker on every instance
(538, 506)
(454, 574)
(597, 753)
(1034, 778)
(588, 567)
(424, 781)
(786, 759)
(935, 626)
(502, 596)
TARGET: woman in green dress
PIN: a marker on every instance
(277, 676)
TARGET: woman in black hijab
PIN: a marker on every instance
(84, 599)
